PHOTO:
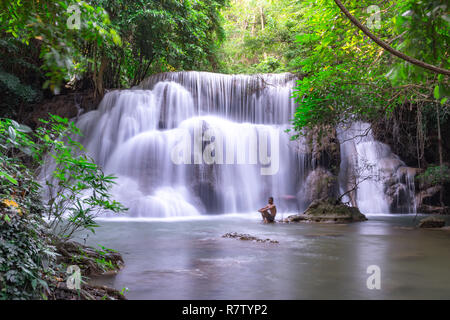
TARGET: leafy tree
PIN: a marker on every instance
(163, 36)
(260, 36)
(49, 22)
(102, 43)
(346, 76)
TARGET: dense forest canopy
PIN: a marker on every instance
(345, 75)
(50, 48)
(108, 44)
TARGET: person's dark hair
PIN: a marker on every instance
(271, 198)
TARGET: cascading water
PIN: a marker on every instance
(192, 143)
(376, 171)
(155, 138)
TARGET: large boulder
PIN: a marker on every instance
(400, 187)
(400, 198)
(328, 210)
(428, 200)
(324, 148)
(432, 222)
(319, 184)
(67, 105)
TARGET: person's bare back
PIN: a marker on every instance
(269, 212)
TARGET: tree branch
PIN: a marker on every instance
(355, 186)
(387, 47)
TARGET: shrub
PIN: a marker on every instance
(76, 189)
(435, 175)
(26, 255)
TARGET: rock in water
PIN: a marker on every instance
(328, 210)
(319, 184)
(244, 236)
(431, 222)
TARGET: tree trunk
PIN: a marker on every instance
(420, 139)
(441, 195)
(253, 25)
(99, 89)
(261, 12)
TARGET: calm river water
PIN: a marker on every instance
(189, 259)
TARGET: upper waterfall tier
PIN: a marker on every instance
(263, 99)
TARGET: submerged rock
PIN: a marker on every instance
(244, 236)
(328, 210)
(432, 222)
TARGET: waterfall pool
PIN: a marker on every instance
(189, 259)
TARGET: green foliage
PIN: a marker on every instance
(346, 77)
(425, 30)
(26, 256)
(104, 263)
(116, 43)
(20, 77)
(435, 175)
(76, 189)
(163, 36)
(337, 85)
(12, 85)
(260, 36)
(60, 46)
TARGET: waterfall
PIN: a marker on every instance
(384, 183)
(194, 143)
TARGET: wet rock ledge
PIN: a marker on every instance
(329, 210)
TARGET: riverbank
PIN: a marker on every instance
(83, 263)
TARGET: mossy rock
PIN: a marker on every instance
(90, 260)
(328, 210)
(432, 222)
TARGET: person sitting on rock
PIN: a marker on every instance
(269, 212)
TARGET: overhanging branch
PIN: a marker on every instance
(387, 47)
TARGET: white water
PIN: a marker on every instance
(134, 132)
(371, 164)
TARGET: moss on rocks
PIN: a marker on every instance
(90, 260)
(432, 222)
(247, 237)
(328, 210)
